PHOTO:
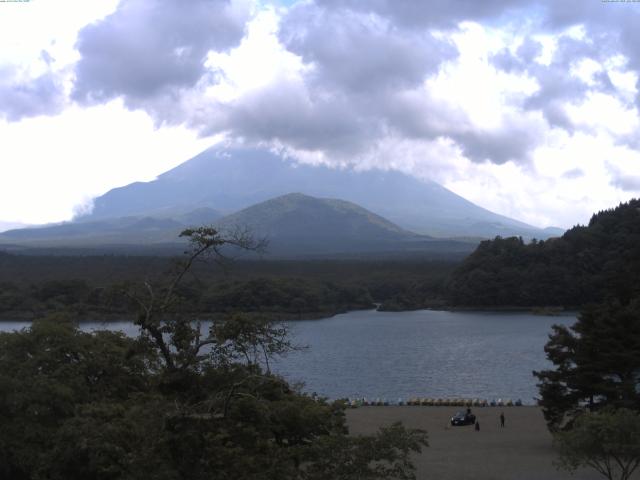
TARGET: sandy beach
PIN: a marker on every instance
(520, 451)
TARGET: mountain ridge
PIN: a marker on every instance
(296, 225)
(229, 180)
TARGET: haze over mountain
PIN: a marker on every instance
(131, 230)
(295, 225)
(4, 226)
(357, 212)
(228, 180)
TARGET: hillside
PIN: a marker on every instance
(587, 264)
(112, 231)
(229, 180)
(295, 225)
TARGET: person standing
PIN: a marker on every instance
(477, 426)
(502, 419)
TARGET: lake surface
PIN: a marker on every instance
(398, 355)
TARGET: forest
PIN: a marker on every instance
(587, 264)
(94, 286)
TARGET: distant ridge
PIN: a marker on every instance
(229, 180)
(295, 225)
(4, 226)
(112, 231)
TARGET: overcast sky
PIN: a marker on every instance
(527, 108)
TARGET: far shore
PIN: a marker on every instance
(97, 316)
(523, 450)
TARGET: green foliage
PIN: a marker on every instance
(597, 363)
(175, 403)
(46, 372)
(607, 441)
(288, 295)
(385, 455)
(77, 405)
(587, 264)
(278, 289)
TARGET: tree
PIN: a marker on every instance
(175, 403)
(50, 370)
(607, 441)
(159, 317)
(597, 363)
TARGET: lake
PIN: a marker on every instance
(398, 355)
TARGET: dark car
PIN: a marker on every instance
(463, 418)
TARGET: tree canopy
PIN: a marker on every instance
(596, 363)
(587, 264)
(178, 402)
(607, 441)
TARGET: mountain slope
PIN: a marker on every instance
(231, 179)
(111, 231)
(4, 226)
(297, 223)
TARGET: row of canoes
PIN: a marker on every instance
(436, 402)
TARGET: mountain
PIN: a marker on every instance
(4, 226)
(229, 180)
(111, 231)
(297, 223)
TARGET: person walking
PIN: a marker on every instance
(502, 419)
(477, 426)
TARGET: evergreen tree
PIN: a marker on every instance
(597, 363)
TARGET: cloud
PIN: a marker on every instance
(360, 54)
(435, 13)
(21, 98)
(152, 48)
(349, 80)
(559, 81)
(366, 71)
(628, 183)
(573, 174)
(288, 113)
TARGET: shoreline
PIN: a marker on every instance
(25, 316)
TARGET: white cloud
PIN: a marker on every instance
(50, 165)
(535, 118)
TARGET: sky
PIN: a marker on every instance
(530, 109)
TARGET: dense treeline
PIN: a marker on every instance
(93, 286)
(587, 264)
(267, 295)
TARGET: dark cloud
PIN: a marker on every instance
(509, 143)
(42, 95)
(356, 53)
(628, 183)
(368, 62)
(365, 69)
(573, 174)
(359, 69)
(365, 81)
(287, 114)
(150, 47)
(435, 13)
